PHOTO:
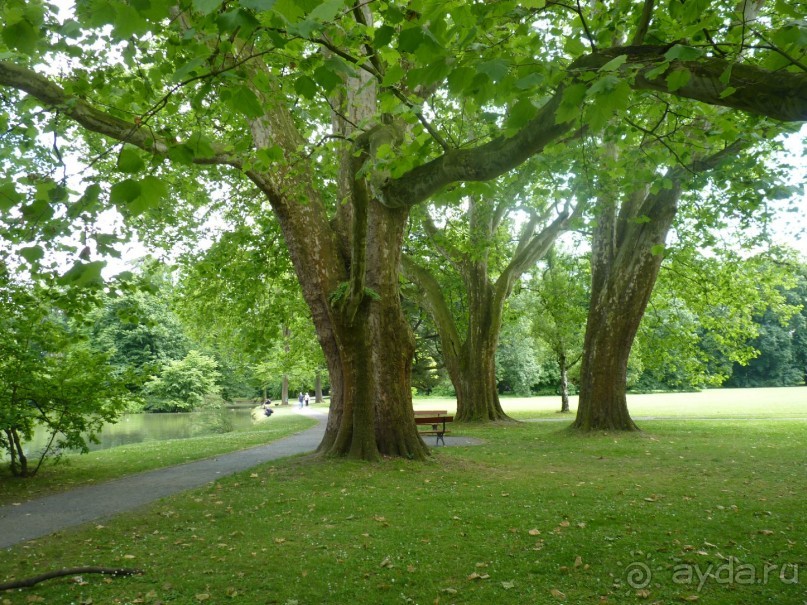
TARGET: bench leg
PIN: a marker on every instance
(439, 439)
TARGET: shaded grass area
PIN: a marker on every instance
(536, 515)
(74, 470)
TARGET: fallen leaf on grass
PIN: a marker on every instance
(476, 576)
(449, 590)
(692, 597)
(765, 532)
(578, 562)
(508, 585)
(534, 532)
(557, 594)
(643, 593)
(386, 562)
(202, 596)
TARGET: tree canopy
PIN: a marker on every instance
(341, 117)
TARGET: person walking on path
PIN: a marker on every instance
(300, 399)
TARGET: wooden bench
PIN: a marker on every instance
(437, 420)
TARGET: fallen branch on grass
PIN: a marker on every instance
(72, 571)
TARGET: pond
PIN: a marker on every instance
(134, 428)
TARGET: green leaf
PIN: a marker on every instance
(495, 69)
(32, 253)
(153, 190)
(124, 192)
(9, 197)
(237, 20)
(129, 161)
(22, 36)
(614, 63)
(410, 39)
(571, 103)
(529, 81)
(383, 36)
(181, 154)
(683, 53)
(521, 113)
(727, 92)
(206, 6)
(306, 87)
(460, 79)
(327, 78)
(86, 202)
(327, 10)
(244, 101)
(84, 274)
(678, 79)
(258, 5)
(271, 154)
(654, 73)
(393, 75)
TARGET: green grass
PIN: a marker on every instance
(713, 403)
(535, 515)
(74, 470)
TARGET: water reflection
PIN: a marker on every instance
(135, 428)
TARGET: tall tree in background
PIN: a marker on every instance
(559, 295)
(250, 87)
(485, 268)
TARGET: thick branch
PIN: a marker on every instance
(431, 297)
(778, 95)
(527, 256)
(644, 22)
(441, 244)
(53, 97)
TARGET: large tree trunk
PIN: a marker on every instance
(624, 268)
(475, 376)
(371, 397)
(626, 257)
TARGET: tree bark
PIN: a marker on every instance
(624, 269)
(564, 383)
(318, 388)
(284, 390)
(625, 260)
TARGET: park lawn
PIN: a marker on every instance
(535, 515)
(74, 469)
(782, 402)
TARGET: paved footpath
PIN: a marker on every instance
(49, 514)
(43, 516)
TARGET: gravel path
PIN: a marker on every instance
(44, 516)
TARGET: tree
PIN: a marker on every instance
(560, 300)
(140, 333)
(484, 268)
(50, 378)
(240, 296)
(703, 313)
(779, 344)
(183, 385)
(251, 87)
